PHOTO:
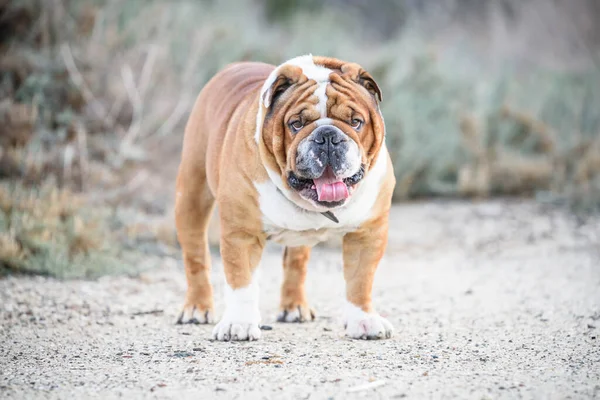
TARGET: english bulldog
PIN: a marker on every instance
(294, 154)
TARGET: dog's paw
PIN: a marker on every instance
(242, 316)
(230, 330)
(194, 314)
(363, 325)
(299, 313)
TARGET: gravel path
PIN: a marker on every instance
(491, 300)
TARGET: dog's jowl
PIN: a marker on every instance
(294, 154)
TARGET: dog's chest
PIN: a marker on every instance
(287, 224)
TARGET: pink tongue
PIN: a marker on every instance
(329, 188)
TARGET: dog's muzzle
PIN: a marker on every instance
(328, 163)
(326, 146)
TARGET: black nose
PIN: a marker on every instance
(328, 136)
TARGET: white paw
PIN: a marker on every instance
(242, 316)
(296, 314)
(362, 325)
(229, 330)
(194, 315)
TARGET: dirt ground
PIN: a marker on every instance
(491, 300)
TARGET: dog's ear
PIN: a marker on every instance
(356, 73)
(368, 82)
(279, 82)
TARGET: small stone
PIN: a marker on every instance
(182, 354)
(266, 328)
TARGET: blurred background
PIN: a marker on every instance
(481, 98)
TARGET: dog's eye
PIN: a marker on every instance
(296, 125)
(356, 123)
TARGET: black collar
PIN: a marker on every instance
(330, 215)
(327, 214)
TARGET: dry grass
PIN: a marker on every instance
(528, 160)
(50, 231)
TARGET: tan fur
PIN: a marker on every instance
(221, 162)
(221, 124)
(293, 296)
(364, 248)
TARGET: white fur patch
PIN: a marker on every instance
(353, 160)
(311, 70)
(322, 96)
(259, 121)
(192, 314)
(298, 314)
(294, 221)
(242, 315)
(363, 325)
(324, 121)
(318, 73)
(290, 316)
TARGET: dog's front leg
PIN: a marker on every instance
(241, 250)
(363, 250)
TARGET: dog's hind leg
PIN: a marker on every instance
(193, 208)
(294, 307)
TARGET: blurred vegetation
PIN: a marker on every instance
(94, 95)
(48, 231)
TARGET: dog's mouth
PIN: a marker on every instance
(326, 190)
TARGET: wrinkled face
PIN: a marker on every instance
(319, 128)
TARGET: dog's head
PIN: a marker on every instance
(319, 129)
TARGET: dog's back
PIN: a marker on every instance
(214, 114)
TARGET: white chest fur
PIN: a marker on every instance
(308, 237)
(288, 224)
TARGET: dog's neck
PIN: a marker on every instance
(327, 214)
